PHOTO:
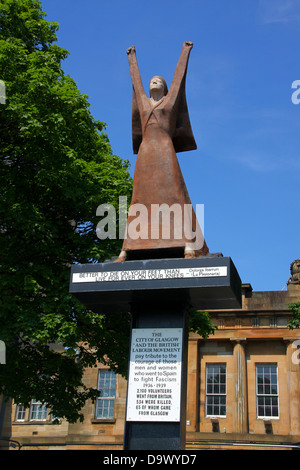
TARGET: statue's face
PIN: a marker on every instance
(156, 84)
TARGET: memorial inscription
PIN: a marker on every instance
(150, 274)
(155, 375)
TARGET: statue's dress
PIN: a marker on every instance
(157, 129)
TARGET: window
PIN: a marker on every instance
(267, 391)
(107, 387)
(38, 411)
(215, 402)
(20, 413)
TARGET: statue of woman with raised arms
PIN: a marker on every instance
(160, 128)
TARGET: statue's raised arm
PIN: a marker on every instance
(135, 73)
(180, 71)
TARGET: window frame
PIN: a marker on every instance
(214, 394)
(111, 397)
(20, 409)
(44, 411)
(265, 395)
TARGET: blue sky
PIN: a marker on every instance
(245, 58)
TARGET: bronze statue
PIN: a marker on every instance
(160, 128)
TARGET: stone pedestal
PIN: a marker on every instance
(159, 295)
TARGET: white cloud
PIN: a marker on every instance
(256, 161)
(265, 161)
(279, 11)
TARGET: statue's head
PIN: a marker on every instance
(295, 266)
(158, 83)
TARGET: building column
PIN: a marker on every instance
(193, 387)
(293, 383)
(240, 394)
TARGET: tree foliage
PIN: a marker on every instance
(294, 322)
(56, 168)
(200, 323)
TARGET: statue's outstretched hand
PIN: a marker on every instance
(188, 44)
(131, 50)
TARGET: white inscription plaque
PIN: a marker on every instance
(150, 274)
(154, 383)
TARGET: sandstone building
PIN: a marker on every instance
(243, 388)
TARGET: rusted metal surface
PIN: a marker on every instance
(160, 128)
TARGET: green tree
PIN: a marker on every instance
(56, 168)
(294, 322)
(200, 323)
